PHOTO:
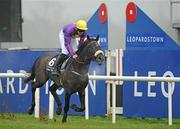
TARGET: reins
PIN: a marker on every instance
(80, 62)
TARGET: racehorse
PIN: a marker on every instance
(73, 79)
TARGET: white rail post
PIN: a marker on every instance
(108, 64)
(51, 106)
(86, 104)
(121, 64)
(37, 101)
(114, 102)
(170, 103)
(117, 55)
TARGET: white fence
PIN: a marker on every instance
(114, 65)
(113, 80)
(170, 80)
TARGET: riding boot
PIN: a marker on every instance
(59, 61)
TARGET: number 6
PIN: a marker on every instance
(51, 63)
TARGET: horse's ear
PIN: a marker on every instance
(97, 38)
(88, 37)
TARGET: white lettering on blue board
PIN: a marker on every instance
(136, 92)
(92, 84)
(60, 91)
(145, 39)
(164, 92)
(21, 89)
(103, 40)
(9, 84)
(151, 85)
(1, 87)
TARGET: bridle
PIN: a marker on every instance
(95, 55)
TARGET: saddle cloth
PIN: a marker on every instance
(51, 63)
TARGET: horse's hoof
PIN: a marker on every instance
(58, 111)
(64, 120)
(30, 111)
(73, 106)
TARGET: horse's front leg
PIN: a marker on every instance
(82, 100)
(53, 89)
(66, 107)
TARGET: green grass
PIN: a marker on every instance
(24, 121)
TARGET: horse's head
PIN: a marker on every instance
(92, 51)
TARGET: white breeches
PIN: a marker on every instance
(74, 43)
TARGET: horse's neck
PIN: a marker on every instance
(79, 68)
(82, 67)
(83, 50)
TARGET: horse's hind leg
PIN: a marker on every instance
(82, 100)
(66, 107)
(35, 85)
(31, 108)
(53, 89)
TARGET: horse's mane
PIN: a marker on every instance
(81, 47)
(86, 42)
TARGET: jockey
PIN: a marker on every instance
(68, 41)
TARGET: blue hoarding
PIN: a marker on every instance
(150, 51)
(15, 95)
(98, 25)
(149, 99)
(145, 34)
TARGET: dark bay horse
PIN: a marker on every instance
(73, 79)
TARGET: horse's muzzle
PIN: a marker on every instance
(100, 58)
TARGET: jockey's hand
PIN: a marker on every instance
(75, 56)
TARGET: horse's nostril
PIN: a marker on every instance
(100, 59)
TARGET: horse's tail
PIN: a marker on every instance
(32, 75)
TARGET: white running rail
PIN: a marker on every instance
(22, 75)
(113, 79)
(139, 78)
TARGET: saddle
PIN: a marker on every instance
(51, 63)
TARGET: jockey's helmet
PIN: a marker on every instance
(81, 25)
